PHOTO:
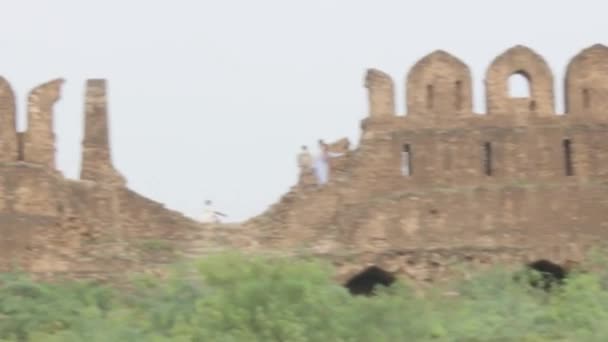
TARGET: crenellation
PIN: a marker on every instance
(39, 142)
(96, 152)
(439, 87)
(441, 84)
(587, 82)
(381, 93)
(523, 61)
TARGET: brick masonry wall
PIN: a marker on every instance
(545, 196)
(542, 199)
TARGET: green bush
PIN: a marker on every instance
(230, 297)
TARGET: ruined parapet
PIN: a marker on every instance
(39, 142)
(96, 154)
(439, 83)
(8, 131)
(381, 93)
(527, 63)
(587, 82)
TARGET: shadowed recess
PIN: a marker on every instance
(551, 274)
(364, 282)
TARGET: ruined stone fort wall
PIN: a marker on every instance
(517, 183)
(520, 176)
(50, 225)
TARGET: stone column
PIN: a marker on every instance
(96, 154)
(97, 160)
(8, 130)
(39, 142)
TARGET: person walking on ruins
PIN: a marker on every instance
(321, 167)
(210, 215)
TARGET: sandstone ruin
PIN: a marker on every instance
(439, 186)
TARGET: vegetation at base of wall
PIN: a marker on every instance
(230, 297)
(155, 245)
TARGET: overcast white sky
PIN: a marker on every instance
(212, 99)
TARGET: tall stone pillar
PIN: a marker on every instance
(381, 93)
(8, 130)
(96, 155)
(39, 142)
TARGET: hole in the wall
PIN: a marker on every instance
(458, 95)
(568, 166)
(406, 160)
(429, 97)
(364, 282)
(433, 212)
(586, 98)
(519, 85)
(487, 158)
(549, 274)
(532, 106)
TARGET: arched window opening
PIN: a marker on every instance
(586, 98)
(458, 95)
(364, 282)
(519, 85)
(546, 274)
(406, 160)
(429, 97)
(568, 167)
(487, 158)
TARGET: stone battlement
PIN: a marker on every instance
(439, 87)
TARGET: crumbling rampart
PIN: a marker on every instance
(95, 226)
(421, 192)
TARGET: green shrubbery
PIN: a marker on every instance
(233, 298)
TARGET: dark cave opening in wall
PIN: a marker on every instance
(364, 282)
(550, 274)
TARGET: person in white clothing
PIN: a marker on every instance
(322, 167)
(210, 215)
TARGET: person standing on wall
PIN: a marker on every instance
(322, 168)
(210, 215)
